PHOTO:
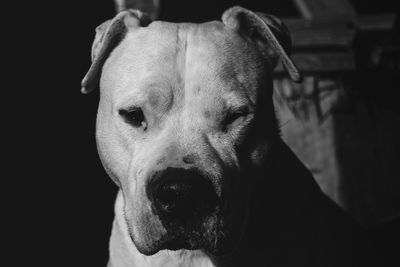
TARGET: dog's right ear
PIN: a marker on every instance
(108, 35)
(268, 32)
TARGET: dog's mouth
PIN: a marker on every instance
(191, 235)
(193, 242)
(185, 212)
(179, 243)
(209, 235)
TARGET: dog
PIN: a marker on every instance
(187, 130)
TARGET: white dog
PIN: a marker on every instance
(186, 128)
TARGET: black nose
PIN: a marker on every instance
(182, 194)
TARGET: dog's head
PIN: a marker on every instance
(185, 119)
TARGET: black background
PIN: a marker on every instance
(58, 200)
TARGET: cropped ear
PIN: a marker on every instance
(268, 32)
(108, 35)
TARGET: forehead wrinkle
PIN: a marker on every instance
(181, 58)
(237, 99)
(145, 90)
(237, 93)
(220, 63)
(161, 61)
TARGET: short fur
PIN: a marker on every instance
(206, 94)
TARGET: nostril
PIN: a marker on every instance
(177, 199)
(188, 159)
(170, 195)
(183, 194)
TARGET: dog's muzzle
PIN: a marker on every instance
(184, 200)
(181, 196)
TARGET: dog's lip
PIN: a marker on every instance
(178, 244)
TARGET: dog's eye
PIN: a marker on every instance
(134, 116)
(233, 118)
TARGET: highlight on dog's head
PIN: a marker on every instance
(184, 122)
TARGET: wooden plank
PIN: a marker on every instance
(301, 24)
(322, 37)
(336, 33)
(325, 9)
(322, 62)
(319, 33)
(376, 22)
(332, 35)
(296, 23)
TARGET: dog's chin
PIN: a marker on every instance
(214, 235)
(175, 245)
(217, 246)
(179, 244)
(147, 250)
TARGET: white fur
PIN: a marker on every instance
(123, 253)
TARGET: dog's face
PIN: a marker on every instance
(184, 121)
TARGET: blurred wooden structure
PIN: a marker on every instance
(331, 120)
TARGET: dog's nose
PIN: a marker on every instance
(183, 194)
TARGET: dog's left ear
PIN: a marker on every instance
(108, 35)
(268, 32)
